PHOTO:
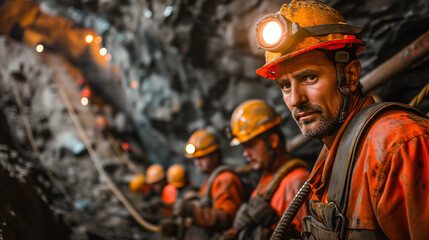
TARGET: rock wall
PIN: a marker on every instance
(26, 196)
(56, 191)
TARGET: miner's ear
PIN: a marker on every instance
(274, 140)
(352, 74)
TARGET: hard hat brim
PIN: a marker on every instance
(178, 184)
(203, 152)
(237, 141)
(269, 70)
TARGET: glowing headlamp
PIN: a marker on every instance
(190, 148)
(276, 33)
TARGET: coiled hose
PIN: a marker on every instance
(283, 225)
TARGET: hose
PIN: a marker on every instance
(283, 225)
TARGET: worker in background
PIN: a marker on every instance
(220, 195)
(178, 187)
(256, 126)
(372, 176)
(152, 185)
(152, 203)
(138, 186)
(155, 178)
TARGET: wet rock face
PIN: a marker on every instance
(28, 198)
(25, 211)
(33, 203)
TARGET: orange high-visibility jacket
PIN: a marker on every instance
(284, 194)
(168, 196)
(169, 193)
(389, 192)
(227, 195)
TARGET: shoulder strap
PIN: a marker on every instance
(280, 174)
(339, 185)
(220, 169)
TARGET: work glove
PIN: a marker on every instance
(230, 234)
(261, 212)
(168, 227)
(183, 208)
(242, 218)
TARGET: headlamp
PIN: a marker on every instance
(273, 32)
(190, 148)
(276, 33)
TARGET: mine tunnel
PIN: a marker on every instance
(98, 95)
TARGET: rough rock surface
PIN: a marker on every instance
(76, 204)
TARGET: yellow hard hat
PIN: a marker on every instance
(302, 26)
(176, 175)
(201, 143)
(136, 184)
(154, 173)
(250, 119)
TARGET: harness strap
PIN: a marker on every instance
(213, 175)
(339, 185)
(254, 219)
(280, 174)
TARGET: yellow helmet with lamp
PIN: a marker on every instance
(250, 119)
(201, 143)
(302, 26)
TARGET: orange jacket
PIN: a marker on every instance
(169, 193)
(284, 194)
(227, 195)
(168, 196)
(389, 190)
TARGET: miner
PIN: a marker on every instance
(256, 126)
(371, 178)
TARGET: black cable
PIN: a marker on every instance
(284, 224)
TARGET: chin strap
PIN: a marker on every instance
(271, 151)
(341, 58)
